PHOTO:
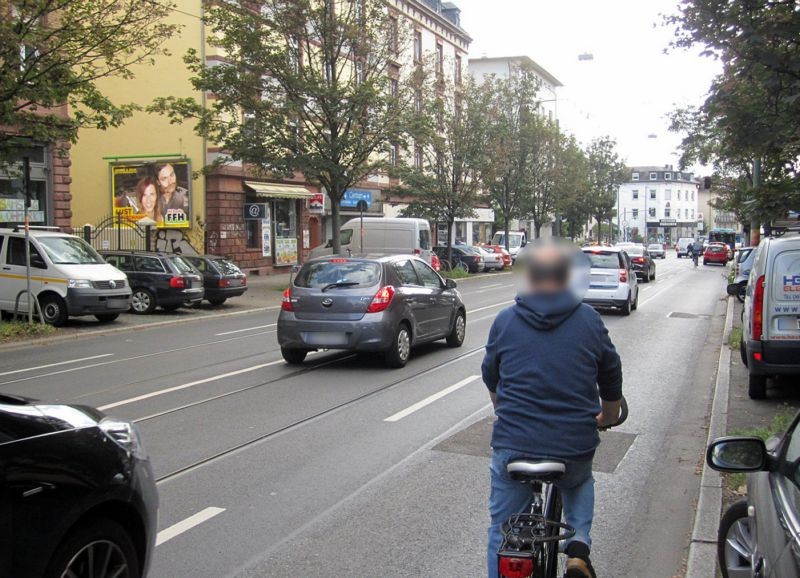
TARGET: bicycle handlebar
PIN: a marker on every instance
(623, 413)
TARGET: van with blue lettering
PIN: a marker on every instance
(771, 321)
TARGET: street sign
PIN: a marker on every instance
(255, 211)
(353, 196)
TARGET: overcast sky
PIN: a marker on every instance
(629, 88)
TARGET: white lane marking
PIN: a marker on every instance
(654, 295)
(245, 329)
(187, 524)
(430, 399)
(76, 360)
(188, 385)
(133, 358)
(471, 311)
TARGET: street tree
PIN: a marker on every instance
(304, 87)
(606, 172)
(54, 55)
(545, 172)
(444, 173)
(572, 185)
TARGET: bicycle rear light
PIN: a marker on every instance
(514, 567)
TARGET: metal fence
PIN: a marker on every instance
(116, 233)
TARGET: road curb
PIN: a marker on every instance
(702, 560)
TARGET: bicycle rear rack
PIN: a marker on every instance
(523, 531)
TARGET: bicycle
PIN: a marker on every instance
(530, 547)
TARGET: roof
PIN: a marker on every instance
(540, 70)
(594, 248)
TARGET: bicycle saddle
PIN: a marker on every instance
(529, 470)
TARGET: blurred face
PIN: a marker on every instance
(548, 270)
(166, 179)
(149, 198)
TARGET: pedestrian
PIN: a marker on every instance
(554, 378)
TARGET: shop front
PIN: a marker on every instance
(668, 231)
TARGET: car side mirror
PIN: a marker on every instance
(450, 283)
(737, 454)
(37, 262)
(329, 244)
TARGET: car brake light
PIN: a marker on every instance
(435, 263)
(623, 276)
(516, 567)
(338, 261)
(417, 251)
(224, 283)
(638, 259)
(757, 356)
(286, 302)
(758, 308)
(177, 283)
(244, 280)
(382, 300)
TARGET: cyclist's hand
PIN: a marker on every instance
(602, 423)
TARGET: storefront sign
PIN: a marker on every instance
(306, 239)
(285, 251)
(266, 236)
(158, 190)
(13, 211)
(316, 204)
(353, 196)
(255, 211)
(668, 222)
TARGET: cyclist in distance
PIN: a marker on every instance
(554, 378)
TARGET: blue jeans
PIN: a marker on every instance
(509, 497)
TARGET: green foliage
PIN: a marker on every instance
(16, 330)
(456, 273)
(304, 87)
(735, 338)
(54, 52)
(606, 172)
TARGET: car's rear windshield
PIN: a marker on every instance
(634, 251)
(344, 271)
(654, 247)
(227, 267)
(182, 266)
(600, 260)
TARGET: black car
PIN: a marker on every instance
(463, 258)
(158, 279)
(643, 263)
(222, 279)
(77, 489)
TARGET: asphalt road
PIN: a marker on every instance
(345, 468)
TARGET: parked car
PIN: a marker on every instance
(381, 236)
(222, 279)
(386, 305)
(516, 241)
(68, 277)
(77, 492)
(462, 257)
(682, 246)
(657, 251)
(770, 342)
(502, 251)
(491, 261)
(744, 264)
(612, 280)
(759, 535)
(716, 253)
(643, 264)
(163, 280)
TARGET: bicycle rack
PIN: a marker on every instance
(37, 309)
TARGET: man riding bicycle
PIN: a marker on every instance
(554, 378)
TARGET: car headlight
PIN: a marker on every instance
(124, 434)
(79, 284)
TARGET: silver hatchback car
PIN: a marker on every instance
(612, 281)
(384, 304)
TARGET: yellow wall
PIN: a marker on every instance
(142, 134)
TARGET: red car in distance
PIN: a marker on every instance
(501, 250)
(716, 253)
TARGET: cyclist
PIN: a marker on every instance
(693, 252)
(554, 377)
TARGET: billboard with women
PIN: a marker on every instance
(158, 191)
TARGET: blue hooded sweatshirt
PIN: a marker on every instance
(549, 359)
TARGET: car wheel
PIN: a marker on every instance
(653, 276)
(735, 542)
(463, 266)
(102, 540)
(704, 262)
(54, 310)
(293, 356)
(106, 317)
(217, 301)
(626, 309)
(743, 351)
(742, 292)
(635, 304)
(142, 301)
(459, 332)
(398, 353)
(757, 386)
(646, 277)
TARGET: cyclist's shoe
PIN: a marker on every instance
(578, 563)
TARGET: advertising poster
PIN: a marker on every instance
(266, 236)
(157, 190)
(285, 251)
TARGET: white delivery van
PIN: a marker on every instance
(516, 241)
(68, 277)
(382, 237)
(771, 320)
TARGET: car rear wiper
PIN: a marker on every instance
(340, 284)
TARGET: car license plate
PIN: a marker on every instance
(330, 338)
(116, 303)
(235, 283)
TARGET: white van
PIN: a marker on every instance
(682, 246)
(382, 237)
(68, 277)
(771, 321)
(516, 241)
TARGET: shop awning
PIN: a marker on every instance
(275, 191)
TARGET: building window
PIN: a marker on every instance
(652, 194)
(359, 72)
(457, 71)
(418, 47)
(253, 230)
(635, 194)
(394, 155)
(667, 176)
(679, 195)
(12, 193)
(651, 211)
(692, 213)
(394, 35)
(667, 211)
(394, 87)
(284, 219)
(418, 101)
(439, 59)
(634, 176)
(668, 194)
(418, 158)
(653, 176)
(635, 213)
(693, 195)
